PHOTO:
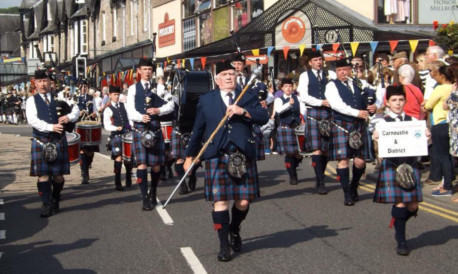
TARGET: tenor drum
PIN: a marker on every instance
(73, 140)
(127, 140)
(189, 85)
(167, 131)
(90, 131)
(300, 138)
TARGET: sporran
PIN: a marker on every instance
(355, 140)
(324, 127)
(50, 152)
(236, 166)
(148, 139)
(405, 176)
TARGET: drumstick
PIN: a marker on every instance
(210, 139)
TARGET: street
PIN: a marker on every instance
(290, 229)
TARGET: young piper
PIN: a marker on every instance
(289, 111)
(388, 190)
(115, 119)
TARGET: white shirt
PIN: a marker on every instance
(132, 112)
(37, 123)
(97, 104)
(336, 102)
(430, 83)
(225, 97)
(279, 107)
(107, 123)
(303, 88)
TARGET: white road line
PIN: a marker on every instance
(2, 216)
(192, 260)
(2, 234)
(1, 201)
(104, 156)
(163, 214)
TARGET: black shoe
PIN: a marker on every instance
(224, 254)
(169, 172)
(147, 204)
(85, 179)
(55, 205)
(183, 189)
(322, 189)
(348, 200)
(354, 195)
(292, 180)
(236, 241)
(119, 188)
(192, 182)
(153, 198)
(402, 249)
(46, 210)
(129, 180)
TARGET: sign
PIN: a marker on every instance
(166, 32)
(442, 11)
(251, 59)
(402, 139)
(293, 29)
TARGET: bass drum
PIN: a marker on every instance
(188, 86)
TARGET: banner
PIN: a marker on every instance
(402, 139)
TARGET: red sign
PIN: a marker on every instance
(166, 32)
(293, 29)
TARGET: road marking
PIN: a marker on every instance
(104, 156)
(192, 260)
(423, 205)
(18, 135)
(1, 201)
(2, 234)
(2, 216)
(163, 213)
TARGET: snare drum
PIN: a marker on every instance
(167, 131)
(73, 140)
(300, 137)
(127, 140)
(90, 131)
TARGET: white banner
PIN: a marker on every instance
(437, 10)
(402, 139)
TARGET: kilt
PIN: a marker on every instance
(340, 148)
(388, 191)
(116, 146)
(219, 186)
(151, 156)
(261, 154)
(38, 165)
(286, 141)
(177, 150)
(313, 139)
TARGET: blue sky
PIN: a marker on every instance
(10, 3)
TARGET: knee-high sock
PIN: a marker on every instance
(221, 225)
(44, 190)
(128, 166)
(400, 215)
(290, 165)
(324, 162)
(179, 170)
(84, 162)
(117, 172)
(317, 164)
(357, 173)
(155, 178)
(57, 188)
(343, 177)
(237, 218)
(142, 180)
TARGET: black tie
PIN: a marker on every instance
(47, 100)
(231, 101)
(147, 86)
(241, 81)
(318, 75)
(348, 85)
(400, 118)
(117, 105)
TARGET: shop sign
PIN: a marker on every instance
(166, 33)
(442, 11)
(251, 59)
(293, 29)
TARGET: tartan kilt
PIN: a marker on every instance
(388, 191)
(261, 154)
(152, 156)
(177, 150)
(116, 146)
(38, 165)
(313, 139)
(286, 141)
(340, 148)
(219, 186)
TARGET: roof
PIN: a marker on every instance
(9, 22)
(10, 41)
(27, 4)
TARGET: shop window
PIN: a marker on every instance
(394, 11)
(189, 6)
(257, 8)
(205, 23)
(219, 3)
(189, 34)
(240, 13)
(203, 5)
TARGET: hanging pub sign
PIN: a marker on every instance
(293, 30)
(166, 32)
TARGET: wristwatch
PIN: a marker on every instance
(244, 112)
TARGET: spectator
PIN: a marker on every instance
(414, 97)
(422, 70)
(433, 53)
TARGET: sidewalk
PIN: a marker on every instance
(15, 167)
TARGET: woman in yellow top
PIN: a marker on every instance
(439, 127)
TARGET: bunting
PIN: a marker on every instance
(285, 52)
(393, 45)
(431, 43)
(335, 47)
(183, 63)
(319, 46)
(203, 60)
(301, 49)
(269, 50)
(255, 52)
(354, 47)
(191, 60)
(373, 45)
(413, 45)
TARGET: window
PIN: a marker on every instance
(75, 38)
(48, 12)
(104, 29)
(72, 48)
(203, 5)
(189, 6)
(219, 3)
(115, 27)
(33, 50)
(51, 43)
(145, 16)
(83, 37)
(205, 22)
(44, 43)
(257, 8)
(394, 12)
(240, 13)
(189, 34)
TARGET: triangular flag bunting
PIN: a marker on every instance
(191, 60)
(431, 43)
(178, 62)
(393, 45)
(203, 60)
(319, 46)
(335, 47)
(285, 52)
(255, 52)
(354, 47)
(374, 45)
(183, 62)
(301, 49)
(269, 50)
(413, 45)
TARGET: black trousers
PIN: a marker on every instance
(441, 153)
